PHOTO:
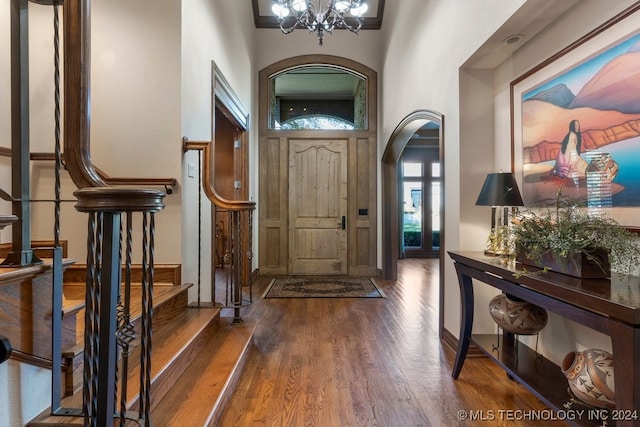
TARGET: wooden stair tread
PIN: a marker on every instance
(162, 294)
(200, 395)
(72, 306)
(172, 349)
(161, 291)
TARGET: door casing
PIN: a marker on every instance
(274, 220)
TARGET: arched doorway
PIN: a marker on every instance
(318, 184)
(391, 221)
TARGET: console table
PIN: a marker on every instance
(610, 306)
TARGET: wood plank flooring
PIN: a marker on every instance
(368, 362)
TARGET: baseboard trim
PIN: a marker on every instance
(450, 341)
(162, 273)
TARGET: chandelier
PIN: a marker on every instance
(319, 18)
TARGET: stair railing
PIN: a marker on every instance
(238, 251)
(105, 329)
(109, 333)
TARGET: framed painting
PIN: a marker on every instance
(575, 122)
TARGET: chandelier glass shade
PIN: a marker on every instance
(319, 18)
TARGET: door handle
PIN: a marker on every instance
(344, 222)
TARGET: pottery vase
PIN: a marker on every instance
(517, 316)
(590, 376)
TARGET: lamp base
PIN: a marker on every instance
(491, 252)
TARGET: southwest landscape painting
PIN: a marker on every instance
(580, 131)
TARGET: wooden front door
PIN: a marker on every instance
(317, 206)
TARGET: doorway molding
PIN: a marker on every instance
(362, 184)
(390, 202)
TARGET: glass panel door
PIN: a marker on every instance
(421, 203)
(412, 214)
(435, 205)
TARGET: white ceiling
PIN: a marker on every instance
(529, 20)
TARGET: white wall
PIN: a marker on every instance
(426, 43)
(427, 48)
(272, 46)
(561, 335)
(219, 31)
(135, 118)
(21, 396)
(5, 115)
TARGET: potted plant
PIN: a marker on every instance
(570, 240)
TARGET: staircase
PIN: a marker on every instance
(197, 358)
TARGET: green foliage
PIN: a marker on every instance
(568, 229)
(412, 238)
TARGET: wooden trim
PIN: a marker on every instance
(301, 61)
(77, 84)
(390, 200)
(397, 142)
(268, 138)
(227, 100)
(207, 178)
(30, 359)
(266, 21)
(41, 248)
(450, 342)
(25, 293)
(163, 273)
(10, 275)
(168, 183)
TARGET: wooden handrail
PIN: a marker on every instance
(207, 184)
(77, 84)
(167, 183)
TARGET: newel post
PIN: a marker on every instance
(107, 313)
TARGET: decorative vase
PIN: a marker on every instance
(594, 266)
(590, 376)
(517, 316)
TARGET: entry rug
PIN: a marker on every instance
(323, 287)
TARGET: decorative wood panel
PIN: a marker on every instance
(272, 258)
(273, 205)
(363, 208)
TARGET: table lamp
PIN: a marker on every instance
(499, 190)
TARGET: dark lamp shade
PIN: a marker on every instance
(500, 189)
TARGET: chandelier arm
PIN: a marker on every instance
(286, 29)
(353, 28)
(317, 18)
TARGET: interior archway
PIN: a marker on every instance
(390, 198)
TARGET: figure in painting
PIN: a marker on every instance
(569, 164)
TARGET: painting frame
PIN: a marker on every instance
(622, 28)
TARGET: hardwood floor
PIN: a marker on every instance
(368, 362)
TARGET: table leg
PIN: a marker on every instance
(466, 321)
(625, 341)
